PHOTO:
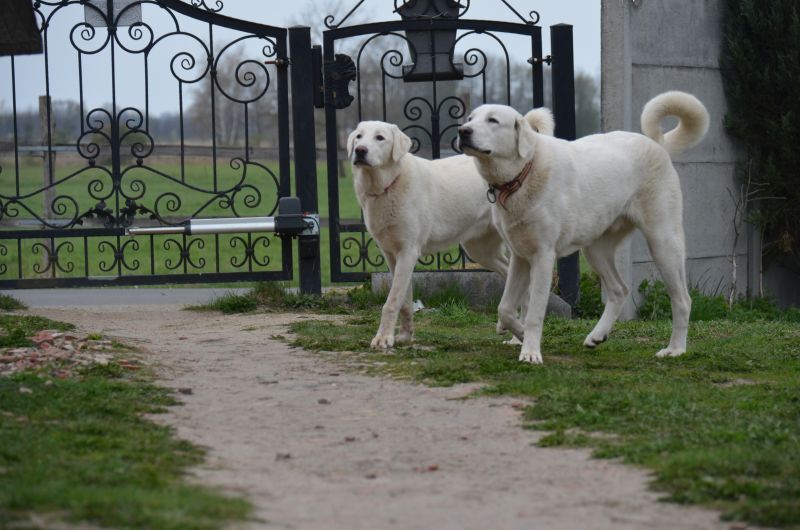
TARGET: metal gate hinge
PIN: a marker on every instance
(338, 75)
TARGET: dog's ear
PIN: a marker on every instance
(525, 137)
(351, 143)
(401, 143)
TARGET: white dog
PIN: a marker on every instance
(553, 197)
(414, 207)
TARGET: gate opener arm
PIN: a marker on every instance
(290, 221)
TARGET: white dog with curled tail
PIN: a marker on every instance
(555, 197)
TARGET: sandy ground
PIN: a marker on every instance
(314, 446)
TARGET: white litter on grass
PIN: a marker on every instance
(418, 306)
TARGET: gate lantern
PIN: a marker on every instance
(431, 50)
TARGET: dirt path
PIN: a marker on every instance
(317, 448)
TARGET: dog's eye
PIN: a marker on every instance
(358, 137)
(492, 120)
(380, 138)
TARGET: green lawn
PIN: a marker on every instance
(80, 449)
(718, 426)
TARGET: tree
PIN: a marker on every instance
(235, 93)
(761, 70)
(587, 105)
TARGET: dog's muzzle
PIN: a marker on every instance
(360, 157)
(465, 141)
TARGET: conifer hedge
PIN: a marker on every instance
(761, 74)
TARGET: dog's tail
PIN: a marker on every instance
(541, 120)
(692, 125)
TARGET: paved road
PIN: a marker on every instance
(134, 296)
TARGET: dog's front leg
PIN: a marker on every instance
(513, 296)
(541, 276)
(401, 283)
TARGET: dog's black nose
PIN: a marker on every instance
(361, 150)
(465, 132)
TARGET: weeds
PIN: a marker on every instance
(9, 303)
(656, 306)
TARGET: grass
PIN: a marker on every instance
(80, 449)
(279, 297)
(718, 426)
(15, 329)
(656, 305)
(9, 303)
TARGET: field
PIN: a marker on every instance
(187, 195)
(173, 200)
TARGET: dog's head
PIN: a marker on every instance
(376, 144)
(498, 132)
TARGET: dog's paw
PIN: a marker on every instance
(670, 352)
(500, 329)
(592, 342)
(531, 357)
(382, 342)
(404, 337)
(513, 341)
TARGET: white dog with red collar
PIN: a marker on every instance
(589, 194)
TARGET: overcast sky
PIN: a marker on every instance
(584, 15)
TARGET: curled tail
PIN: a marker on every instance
(692, 115)
(541, 120)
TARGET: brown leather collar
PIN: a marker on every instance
(392, 183)
(504, 191)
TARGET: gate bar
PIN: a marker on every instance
(305, 152)
(564, 113)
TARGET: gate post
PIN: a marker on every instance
(564, 113)
(305, 153)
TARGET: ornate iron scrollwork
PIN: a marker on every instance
(216, 8)
(338, 75)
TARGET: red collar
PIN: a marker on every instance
(504, 191)
(392, 183)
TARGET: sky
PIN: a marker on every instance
(584, 15)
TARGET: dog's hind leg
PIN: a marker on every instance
(406, 334)
(601, 256)
(490, 251)
(398, 296)
(669, 252)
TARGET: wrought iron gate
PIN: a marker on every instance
(110, 161)
(429, 74)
